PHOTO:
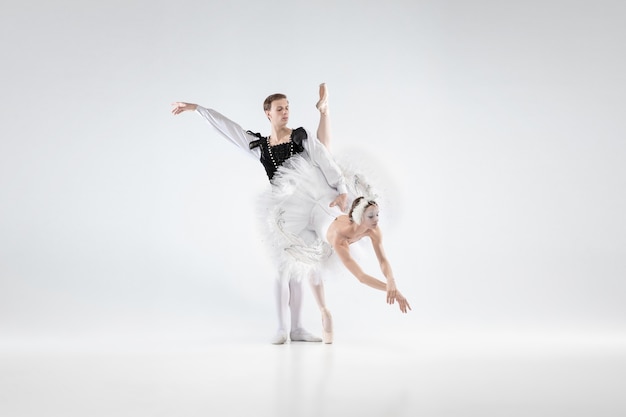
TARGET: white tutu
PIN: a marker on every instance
(296, 216)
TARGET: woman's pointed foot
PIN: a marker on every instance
(322, 104)
(327, 326)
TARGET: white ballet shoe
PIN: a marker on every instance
(279, 338)
(322, 104)
(301, 335)
(327, 326)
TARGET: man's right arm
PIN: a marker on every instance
(230, 130)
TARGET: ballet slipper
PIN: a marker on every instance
(301, 335)
(327, 326)
(322, 104)
(279, 338)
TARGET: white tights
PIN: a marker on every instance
(289, 301)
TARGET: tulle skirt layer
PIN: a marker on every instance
(296, 215)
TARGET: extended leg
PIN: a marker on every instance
(323, 128)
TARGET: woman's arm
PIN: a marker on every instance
(343, 251)
(376, 238)
(226, 127)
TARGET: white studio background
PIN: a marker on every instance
(497, 130)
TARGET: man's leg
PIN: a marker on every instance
(282, 309)
(298, 333)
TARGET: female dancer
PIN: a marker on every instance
(273, 151)
(361, 221)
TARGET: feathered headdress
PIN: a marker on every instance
(357, 211)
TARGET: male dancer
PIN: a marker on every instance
(273, 151)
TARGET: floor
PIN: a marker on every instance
(432, 375)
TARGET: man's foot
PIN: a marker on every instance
(279, 338)
(327, 326)
(301, 335)
(322, 104)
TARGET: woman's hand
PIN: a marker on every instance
(392, 291)
(179, 107)
(402, 302)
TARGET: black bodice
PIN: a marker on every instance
(273, 157)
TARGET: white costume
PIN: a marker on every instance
(299, 215)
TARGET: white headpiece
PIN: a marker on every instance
(357, 212)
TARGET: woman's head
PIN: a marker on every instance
(364, 211)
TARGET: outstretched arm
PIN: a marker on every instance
(343, 251)
(376, 238)
(226, 127)
(179, 107)
(377, 242)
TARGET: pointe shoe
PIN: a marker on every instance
(322, 104)
(279, 338)
(327, 326)
(301, 335)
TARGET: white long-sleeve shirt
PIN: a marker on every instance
(314, 151)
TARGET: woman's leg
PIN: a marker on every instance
(317, 286)
(323, 128)
(321, 217)
(298, 333)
